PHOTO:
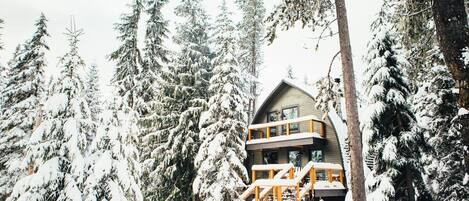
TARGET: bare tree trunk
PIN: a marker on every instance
(453, 36)
(353, 130)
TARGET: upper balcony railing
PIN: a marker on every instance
(303, 124)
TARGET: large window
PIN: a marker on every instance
(271, 117)
(316, 155)
(270, 157)
(294, 157)
(290, 113)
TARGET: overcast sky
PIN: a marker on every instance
(97, 17)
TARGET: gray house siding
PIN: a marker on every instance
(285, 97)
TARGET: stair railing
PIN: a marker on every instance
(278, 185)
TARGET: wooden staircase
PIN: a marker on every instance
(286, 179)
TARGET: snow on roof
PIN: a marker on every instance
(319, 185)
(326, 166)
(280, 138)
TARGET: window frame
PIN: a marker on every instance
(297, 116)
(273, 130)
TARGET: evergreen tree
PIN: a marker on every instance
(127, 77)
(416, 30)
(436, 108)
(93, 94)
(219, 161)
(127, 56)
(251, 42)
(56, 148)
(113, 152)
(189, 94)
(388, 127)
(21, 96)
(152, 116)
(329, 96)
(3, 70)
(290, 74)
(93, 98)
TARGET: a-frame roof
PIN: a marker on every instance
(308, 90)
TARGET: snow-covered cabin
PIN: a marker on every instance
(288, 143)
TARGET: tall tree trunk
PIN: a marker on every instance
(453, 36)
(353, 130)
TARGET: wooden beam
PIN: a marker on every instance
(312, 178)
(341, 176)
(279, 193)
(268, 132)
(297, 192)
(323, 130)
(329, 175)
(291, 173)
(311, 126)
(253, 176)
(271, 174)
(256, 192)
(288, 129)
(249, 134)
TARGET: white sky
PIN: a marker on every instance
(97, 17)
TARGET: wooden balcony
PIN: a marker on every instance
(292, 132)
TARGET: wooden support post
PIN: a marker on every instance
(291, 173)
(268, 132)
(271, 174)
(274, 192)
(311, 126)
(341, 176)
(249, 134)
(323, 130)
(279, 193)
(329, 176)
(256, 192)
(288, 129)
(253, 176)
(297, 192)
(261, 134)
(312, 178)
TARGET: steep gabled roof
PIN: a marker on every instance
(308, 90)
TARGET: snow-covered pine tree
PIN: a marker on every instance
(151, 110)
(219, 161)
(251, 42)
(93, 93)
(127, 56)
(329, 95)
(113, 153)
(436, 108)
(128, 73)
(57, 146)
(388, 127)
(3, 69)
(189, 95)
(290, 74)
(21, 97)
(93, 98)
